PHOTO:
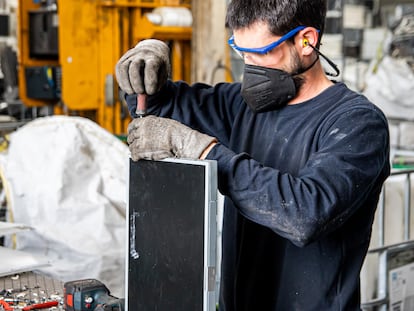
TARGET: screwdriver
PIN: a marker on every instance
(5, 306)
(44, 305)
(141, 105)
(141, 110)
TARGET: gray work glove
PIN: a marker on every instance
(144, 68)
(155, 138)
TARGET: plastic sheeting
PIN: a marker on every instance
(14, 262)
(391, 87)
(67, 178)
(7, 228)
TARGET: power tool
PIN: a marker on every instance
(90, 295)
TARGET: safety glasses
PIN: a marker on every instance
(265, 49)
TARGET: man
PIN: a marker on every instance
(301, 159)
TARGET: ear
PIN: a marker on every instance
(308, 36)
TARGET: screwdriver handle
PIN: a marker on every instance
(141, 105)
(44, 305)
(5, 306)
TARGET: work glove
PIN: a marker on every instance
(144, 68)
(155, 138)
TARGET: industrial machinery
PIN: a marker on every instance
(68, 51)
(90, 295)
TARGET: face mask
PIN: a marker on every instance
(266, 89)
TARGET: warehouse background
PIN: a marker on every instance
(49, 101)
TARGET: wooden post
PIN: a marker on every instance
(209, 41)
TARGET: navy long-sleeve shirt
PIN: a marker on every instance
(301, 187)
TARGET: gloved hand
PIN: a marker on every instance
(144, 68)
(155, 138)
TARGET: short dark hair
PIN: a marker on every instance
(280, 15)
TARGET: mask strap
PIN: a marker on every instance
(331, 63)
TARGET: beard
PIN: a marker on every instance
(297, 68)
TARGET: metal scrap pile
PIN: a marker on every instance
(30, 291)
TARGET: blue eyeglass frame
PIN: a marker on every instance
(265, 49)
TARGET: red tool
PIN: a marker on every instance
(141, 105)
(43, 305)
(6, 305)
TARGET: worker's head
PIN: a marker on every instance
(281, 16)
(261, 26)
(278, 41)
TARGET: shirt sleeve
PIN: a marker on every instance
(210, 110)
(344, 175)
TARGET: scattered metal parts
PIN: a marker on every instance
(27, 290)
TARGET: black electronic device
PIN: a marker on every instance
(172, 235)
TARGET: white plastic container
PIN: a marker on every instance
(171, 16)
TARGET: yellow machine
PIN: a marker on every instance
(68, 51)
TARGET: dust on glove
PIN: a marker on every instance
(156, 138)
(144, 68)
